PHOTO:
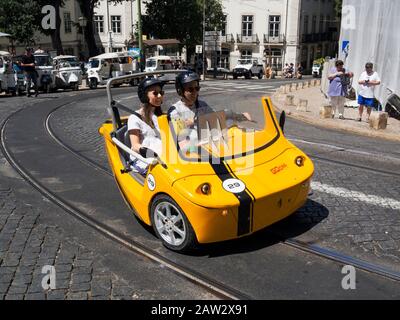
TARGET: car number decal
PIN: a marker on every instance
(151, 182)
(234, 186)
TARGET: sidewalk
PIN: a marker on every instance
(316, 100)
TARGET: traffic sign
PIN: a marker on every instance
(199, 49)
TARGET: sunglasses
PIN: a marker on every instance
(156, 93)
(193, 89)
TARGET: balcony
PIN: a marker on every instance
(242, 39)
(317, 37)
(227, 39)
(280, 39)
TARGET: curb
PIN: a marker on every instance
(330, 124)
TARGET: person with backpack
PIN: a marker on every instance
(340, 81)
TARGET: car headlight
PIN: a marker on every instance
(205, 189)
(300, 161)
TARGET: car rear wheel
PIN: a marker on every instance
(260, 75)
(171, 225)
(93, 83)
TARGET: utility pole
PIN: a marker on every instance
(204, 40)
(109, 32)
(140, 33)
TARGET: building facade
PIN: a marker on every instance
(276, 32)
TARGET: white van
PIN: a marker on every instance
(159, 63)
(110, 65)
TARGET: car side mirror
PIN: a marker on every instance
(282, 121)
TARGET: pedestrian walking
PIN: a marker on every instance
(340, 80)
(28, 64)
(368, 81)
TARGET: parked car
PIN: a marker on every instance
(317, 70)
(248, 68)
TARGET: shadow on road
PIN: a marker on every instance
(297, 224)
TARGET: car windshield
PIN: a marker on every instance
(94, 63)
(244, 61)
(68, 62)
(151, 63)
(43, 61)
(221, 131)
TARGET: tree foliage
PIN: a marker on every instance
(181, 19)
(20, 19)
(338, 8)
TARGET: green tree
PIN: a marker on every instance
(181, 19)
(22, 19)
(338, 8)
(19, 18)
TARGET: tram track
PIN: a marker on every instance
(294, 243)
(218, 289)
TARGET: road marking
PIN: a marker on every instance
(356, 195)
(364, 153)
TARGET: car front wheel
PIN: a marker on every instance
(171, 225)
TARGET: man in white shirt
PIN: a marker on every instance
(369, 79)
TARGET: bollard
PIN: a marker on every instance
(318, 83)
(294, 86)
(283, 90)
(300, 86)
(326, 112)
(302, 105)
(289, 100)
(378, 120)
(288, 88)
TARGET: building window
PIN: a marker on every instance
(67, 22)
(246, 55)
(99, 24)
(328, 23)
(321, 24)
(314, 24)
(274, 26)
(116, 24)
(305, 30)
(69, 51)
(223, 31)
(247, 26)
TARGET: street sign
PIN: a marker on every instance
(134, 52)
(199, 49)
(345, 48)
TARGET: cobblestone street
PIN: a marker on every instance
(35, 233)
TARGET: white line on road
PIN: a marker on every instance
(356, 196)
(364, 153)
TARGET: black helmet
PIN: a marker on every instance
(146, 84)
(184, 78)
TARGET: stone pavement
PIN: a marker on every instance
(35, 233)
(316, 99)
